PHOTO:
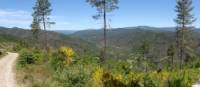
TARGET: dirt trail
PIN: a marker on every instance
(7, 75)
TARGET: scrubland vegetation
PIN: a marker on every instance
(65, 68)
(134, 57)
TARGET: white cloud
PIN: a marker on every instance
(13, 21)
(15, 18)
(13, 13)
(23, 19)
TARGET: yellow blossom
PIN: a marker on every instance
(97, 77)
(119, 77)
(68, 53)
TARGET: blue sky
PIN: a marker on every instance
(77, 14)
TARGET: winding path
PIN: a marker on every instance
(7, 75)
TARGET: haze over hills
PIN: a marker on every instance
(72, 31)
(137, 27)
(67, 32)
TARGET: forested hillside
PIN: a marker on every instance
(123, 42)
(47, 55)
(23, 37)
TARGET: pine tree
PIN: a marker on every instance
(42, 12)
(171, 54)
(35, 27)
(184, 21)
(103, 7)
(145, 47)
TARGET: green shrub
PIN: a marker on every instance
(194, 64)
(134, 83)
(20, 45)
(28, 57)
(57, 61)
(148, 82)
(176, 82)
(111, 81)
(1, 53)
(39, 56)
(25, 58)
(183, 79)
(73, 77)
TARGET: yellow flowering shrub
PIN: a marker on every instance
(102, 78)
(97, 77)
(164, 76)
(119, 77)
(68, 54)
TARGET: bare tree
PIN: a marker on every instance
(103, 7)
(42, 12)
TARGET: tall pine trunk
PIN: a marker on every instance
(182, 49)
(172, 63)
(45, 31)
(45, 38)
(105, 32)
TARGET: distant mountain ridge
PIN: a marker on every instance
(67, 32)
(55, 40)
(124, 41)
(121, 41)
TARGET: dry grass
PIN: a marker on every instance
(35, 75)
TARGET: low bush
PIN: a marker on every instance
(176, 82)
(57, 61)
(148, 82)
(1, 53)
(102, 78)
(134, 83)
(74, 76)
(61, 58)
(29, 56)
(68, 54)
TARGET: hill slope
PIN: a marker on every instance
(55, 40)
(124, 41)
